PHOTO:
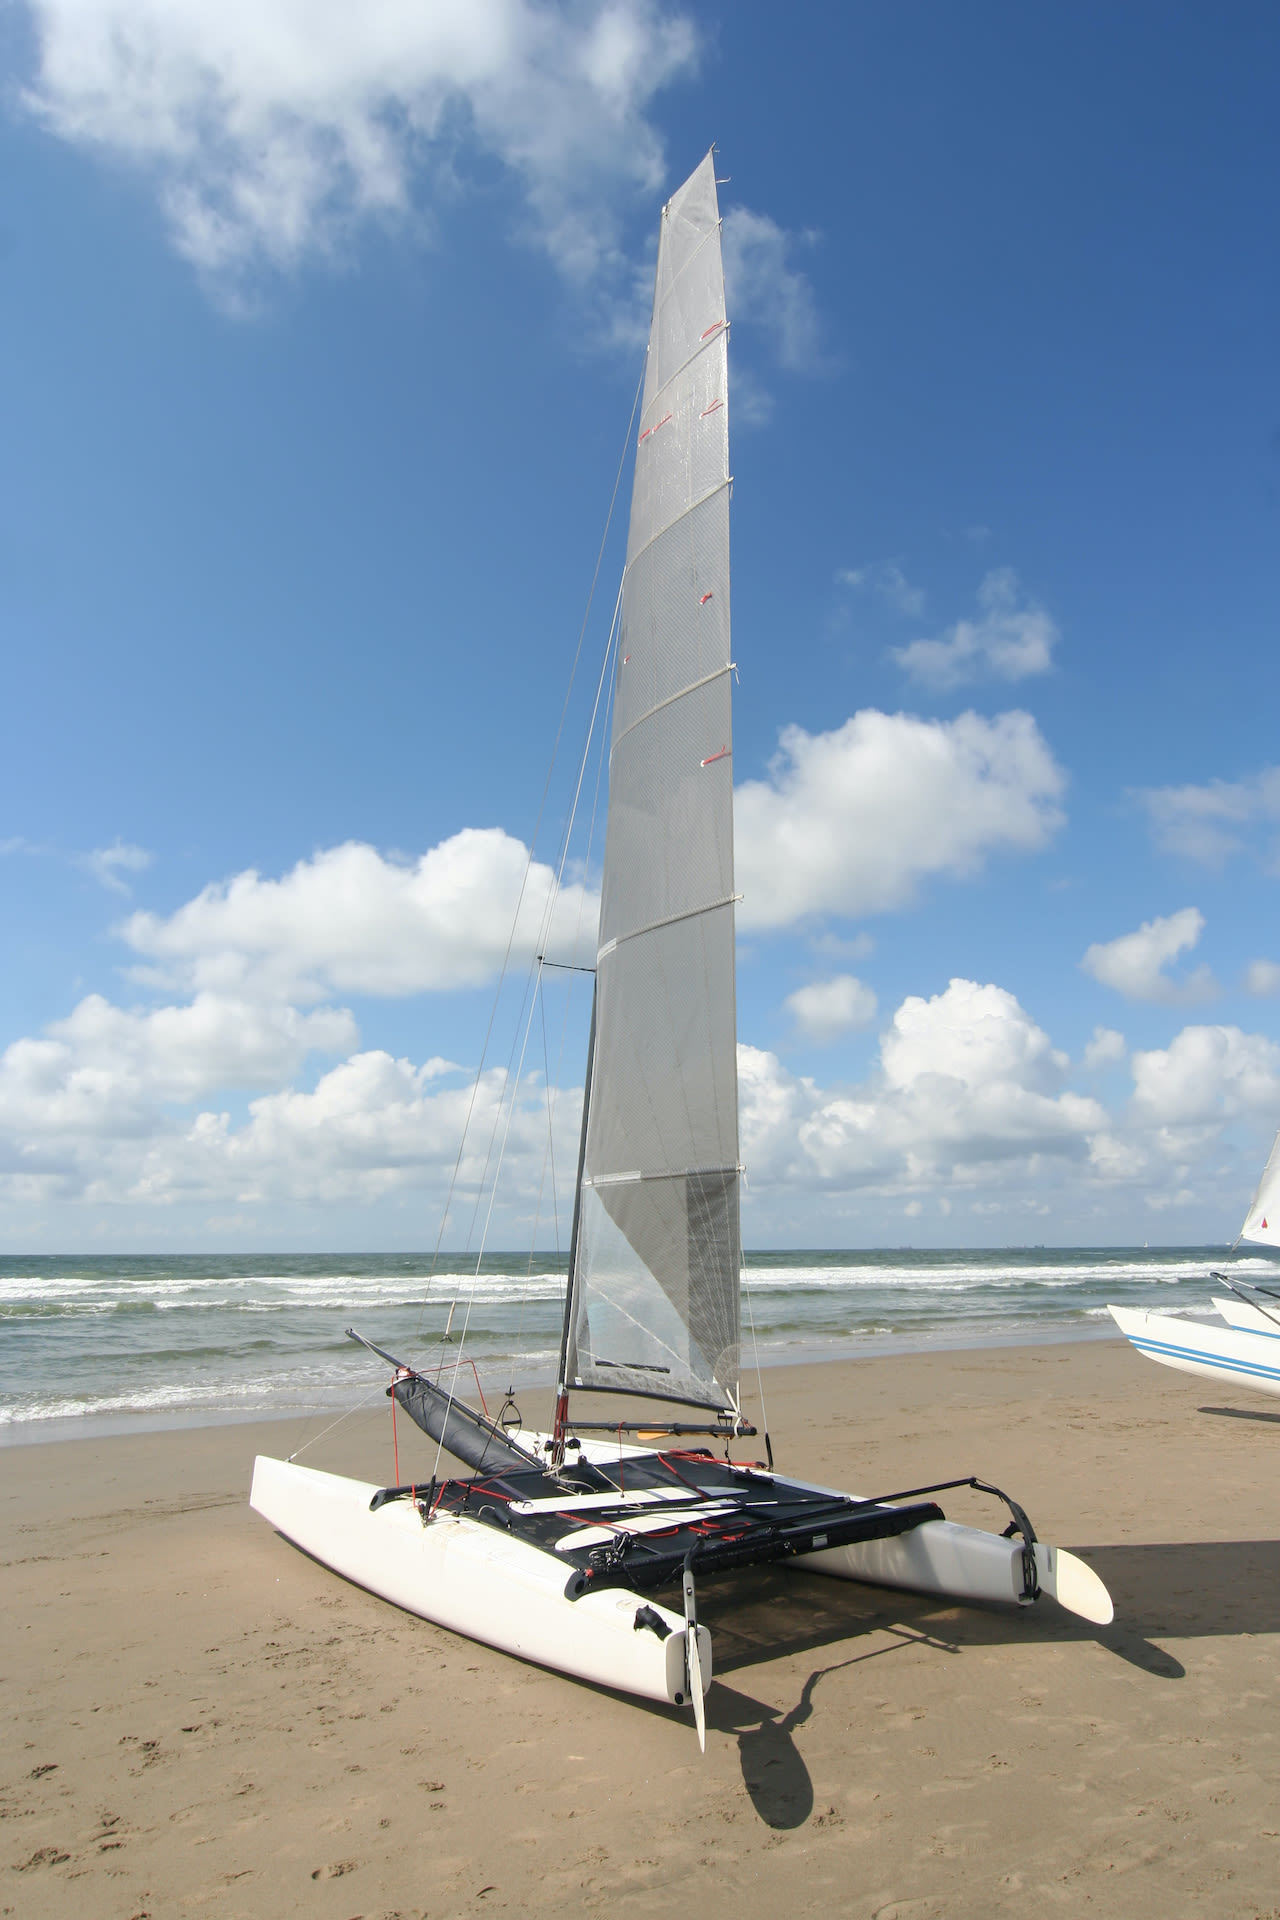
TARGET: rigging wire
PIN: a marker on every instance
(601, 763)
(533, 841)
(553, 1082)
(511, 1093)
(533, 978)
(357, 1407)
(755, 1354)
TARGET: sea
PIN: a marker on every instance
(93, 1345)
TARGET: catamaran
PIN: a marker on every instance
(559, 1544)
(1246, 1350)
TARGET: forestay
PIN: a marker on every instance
(654, 1302)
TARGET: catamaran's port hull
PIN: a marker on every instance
(477, 1581)
(1214, 1353)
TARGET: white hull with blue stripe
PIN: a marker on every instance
(1248, 1318)
(1247, 1359)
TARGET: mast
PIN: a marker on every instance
(653, 1301)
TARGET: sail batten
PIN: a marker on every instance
(717, 334)
(673, 697)
(672, 919)
(655, 1287)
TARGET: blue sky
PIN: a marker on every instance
(321, 334)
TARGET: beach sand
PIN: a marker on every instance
(199, 1719)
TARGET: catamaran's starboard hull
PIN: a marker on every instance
(941, 1557)
(969, 1565)
(477, 1581)
(1215, 1353)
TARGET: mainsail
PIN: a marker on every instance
(654, 1292)
(1262, 1222)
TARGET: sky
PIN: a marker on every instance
(321, 332)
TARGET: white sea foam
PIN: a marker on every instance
(121, 1340)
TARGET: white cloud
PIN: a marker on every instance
(835, 946)
(271, 126)
(179, 1053)
(850, 822)
(1134, 964)
(1209, 823)
(108, 865)
(105, 1108)
(828, 1008)
(1006, 640)
(763, 288)
(372, 1126)
(969, 1088)
(970, 1101)
(1206, 1075)
(1262, 977)
(1105, 1049)
(977, 1036)
(890, 582)
(104, 1069)
(352, 921)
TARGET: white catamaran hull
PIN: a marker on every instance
(1215, 1353)
(966, 1564)
(961, 1563)
(1250, 1319)
(477, 1581)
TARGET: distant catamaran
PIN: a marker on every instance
(555, 1545)
(1246, 1351)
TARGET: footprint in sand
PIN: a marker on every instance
(43, 1857)
(335, 1870)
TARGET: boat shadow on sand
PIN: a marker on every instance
(1242, 1413)
(1181, 1590)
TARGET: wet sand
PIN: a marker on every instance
(199, 1719)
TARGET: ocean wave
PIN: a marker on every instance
(207, 1338)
